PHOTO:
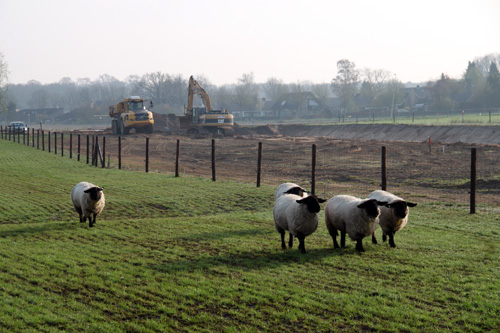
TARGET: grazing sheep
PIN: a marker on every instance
(393, 216)
(289, 188)
(298, 215)
(87, 199)
(356, 217)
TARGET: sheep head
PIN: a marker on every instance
(312, 203)
(95, 192)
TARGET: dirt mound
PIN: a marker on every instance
(383, 132)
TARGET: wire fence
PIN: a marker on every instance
(417, 171)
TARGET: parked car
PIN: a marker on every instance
(18, 126)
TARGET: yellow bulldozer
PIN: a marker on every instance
(131, 113)
(203, 119)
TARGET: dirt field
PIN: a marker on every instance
(440, 172)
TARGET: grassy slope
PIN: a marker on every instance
(180, 253)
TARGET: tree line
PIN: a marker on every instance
(479, 87)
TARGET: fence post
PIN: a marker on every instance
(43, 140)
(1, 131)
(78, 156)
(37, 139)
(48, 137)
(259, 164)
(62, 144)
(147, 154)
(9, 133)
(103, 152)
(19, 135)
(33, 138)
(55, 143)
(313, 170)
(70, 145)
(24, 137)
(473, 180)
(88, 142)
(213, 159)
(177, 155)
(384, 168)
(119, 153)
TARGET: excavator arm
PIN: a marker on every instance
(195, 88)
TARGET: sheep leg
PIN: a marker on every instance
(290, 241)
(92, 221)
(374, 238)
(342, 239)
(359, 245)
(335, 244)
(391, 239)
(384, 237)
(302, 246)
(283, 246)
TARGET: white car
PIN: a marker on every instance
(16, 126)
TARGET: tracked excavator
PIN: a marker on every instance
(204, 119)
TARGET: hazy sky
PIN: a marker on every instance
(292, 40)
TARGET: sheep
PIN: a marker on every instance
(88, 199)
(354, 216)
(289, 188)
(298, 215)
(393, 216)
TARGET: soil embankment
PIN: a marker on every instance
(383, 132)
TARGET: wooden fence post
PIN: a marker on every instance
(24, 137)
(119, 152)
(62, 144)
(33, 138)
(103, 152)
(43, 140)
(313, 170)
(37, 139)
(48, 137)
(147, 154)
(259, 164)
(213, 159)
(177, 155)
(78, 156)
(473, 180)
(88, 142)
(55, 143)
(384, 168)
(70, 145)
(19, 135)
(1, 131)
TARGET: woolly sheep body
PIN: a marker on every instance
(290, 188)
(343, 213)
(297, 215)
(393, 216)
(88, 199)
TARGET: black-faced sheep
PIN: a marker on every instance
(393, 216)
(88, 200)
(356, 217)
(290, 188)
(298, 215)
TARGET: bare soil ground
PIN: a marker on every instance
(417, 170)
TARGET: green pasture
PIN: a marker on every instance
(188, 254)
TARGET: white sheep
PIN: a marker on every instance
(354, 216)
(88, 199)
(298, 215)
(290, 188)
(393, 216)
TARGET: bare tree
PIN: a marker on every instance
(274, 89)
(322, 92)
(483, 63)
(374, 83)
(39, 99)
(153, 86)
(247, 92)
(3, 84)
(345, 83)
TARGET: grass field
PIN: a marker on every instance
(189, 254)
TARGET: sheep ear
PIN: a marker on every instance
(301, 201)
(411, 204)
(100, 189)
(321, 200)
(87, 191)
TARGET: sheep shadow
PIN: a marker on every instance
(38, 228)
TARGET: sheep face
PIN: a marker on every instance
(312, 203)
(400, 208)
(95, 193)
(297, 190)
(371, 207)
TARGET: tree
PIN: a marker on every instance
(345, 83)
(153, 86)
(274, 89)
(442, 92)
(322, 92)
(39, 99)
(493, 86)
(3, 84)
(247, 92)
(374, 83)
